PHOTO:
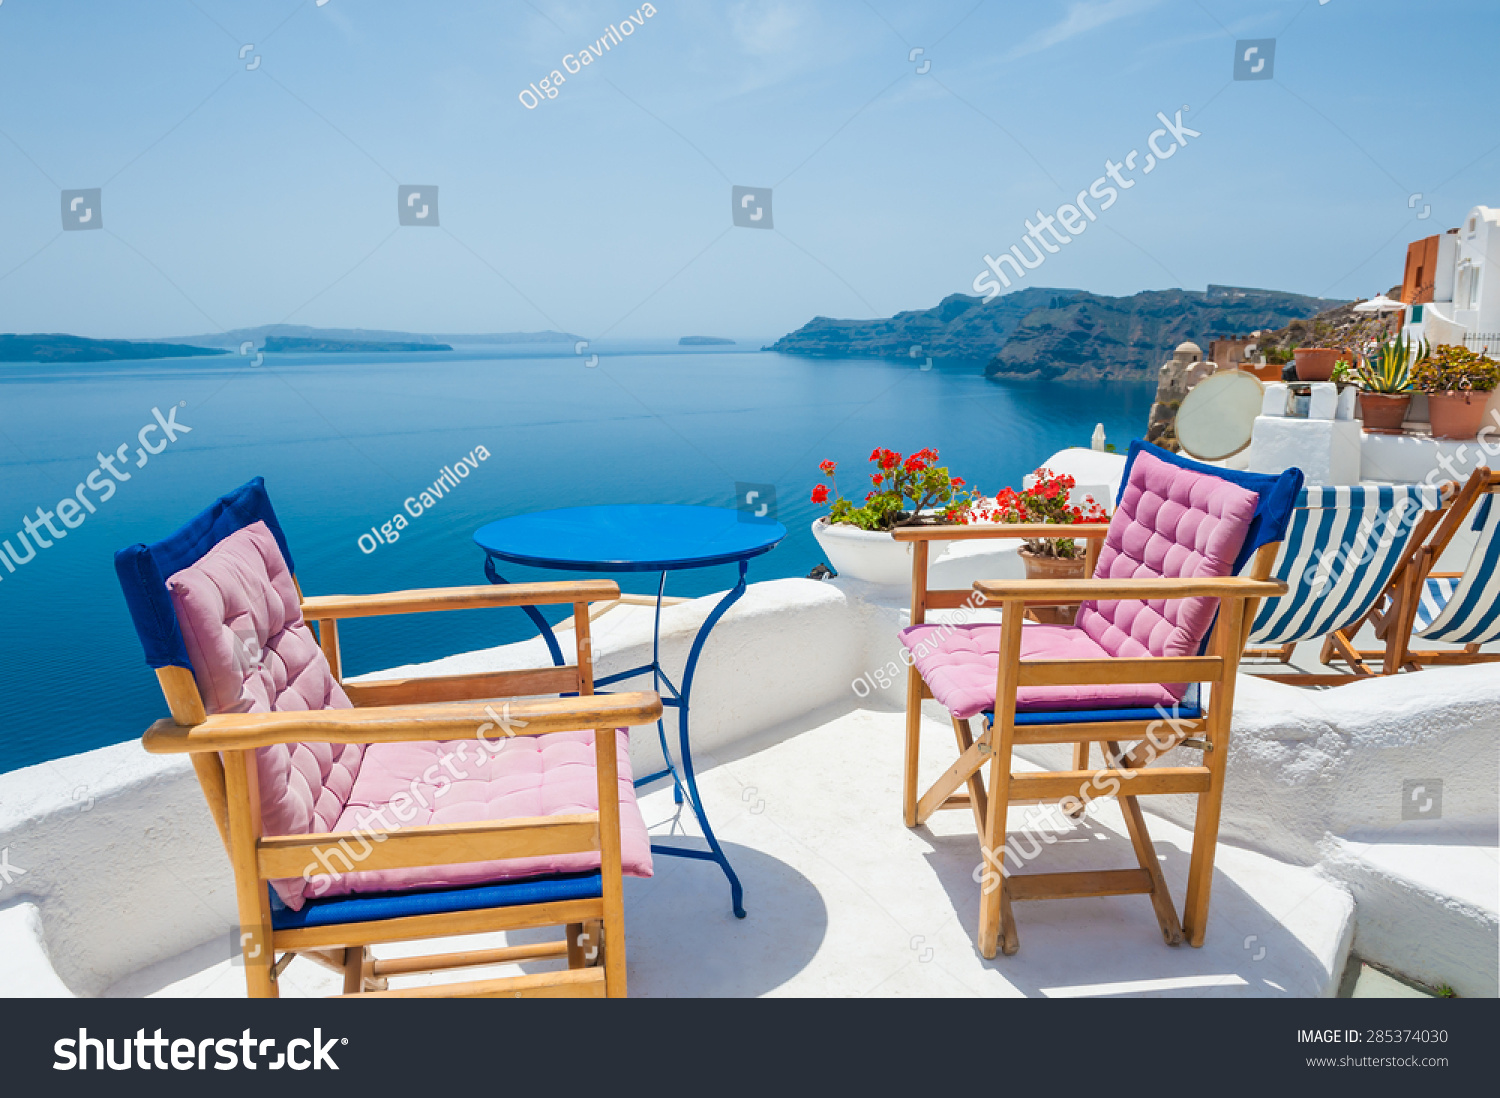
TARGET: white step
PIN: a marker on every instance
(1427, 907)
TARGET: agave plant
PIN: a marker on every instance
(1389, 369)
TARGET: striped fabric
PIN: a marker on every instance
(1435, 596)
(1338, 555)
(1471, 611)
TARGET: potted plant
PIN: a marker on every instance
(1457, 382)
(1385, 382)
(1315, 363)
(905, 491)
(1047, 500)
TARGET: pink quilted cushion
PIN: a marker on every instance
(252, 653)
(959, 664)
(1170, 522)
(414, 784)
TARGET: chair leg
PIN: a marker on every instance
(613, 945)
(585, 945)
(1201, 867)
(1145, 853)
(977, 799)
(576, 952)
(1080, 762)
(997, 922)
(913, 744)
(242, 792)
(354, 970)
(1337, 647)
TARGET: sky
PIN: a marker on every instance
(249, 154)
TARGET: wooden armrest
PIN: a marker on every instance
(402, 723)
(1076, 590)
(1001, 530)
(325, 607)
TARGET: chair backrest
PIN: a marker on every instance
(218, 598)
(1178, 518)
(1471, 614)
(1341, 553)
(143, 569)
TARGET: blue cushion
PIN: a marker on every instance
(1277, 491)
(1090, 716)
(143, 569)
(396, 905)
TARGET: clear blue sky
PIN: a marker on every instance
(236, 196)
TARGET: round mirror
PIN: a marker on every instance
(1218, 415)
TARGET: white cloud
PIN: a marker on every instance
(1083, 16)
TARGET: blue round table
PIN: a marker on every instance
(643, 538)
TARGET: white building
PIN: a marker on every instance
(1452, 284)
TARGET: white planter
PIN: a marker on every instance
(869, 555)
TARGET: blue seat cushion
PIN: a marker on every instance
(1092, 716)
(397, 905)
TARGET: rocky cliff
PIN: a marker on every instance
(1053, 334)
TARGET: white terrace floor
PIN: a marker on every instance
(843, 900)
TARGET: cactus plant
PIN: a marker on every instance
(1389, 370)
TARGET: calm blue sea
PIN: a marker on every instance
(343, 439)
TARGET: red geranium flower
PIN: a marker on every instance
(828, 467)
(820, 494)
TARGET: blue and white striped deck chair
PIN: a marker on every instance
(1347, 556)
(1463, 608)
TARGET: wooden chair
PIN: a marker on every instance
(1056, 684)
(1352, 555)
(460, 877)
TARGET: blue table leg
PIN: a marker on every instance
(536, 615)
(656, 677)
(715, 852)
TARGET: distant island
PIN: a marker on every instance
(364, 337)
(1057, 335)
(70, 348)
(283, 338)
(704, 341)
(301, 345)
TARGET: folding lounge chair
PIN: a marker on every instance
(1460, 608)
(1350, 556)
(355, 814)
(1166, 572)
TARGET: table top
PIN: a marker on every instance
(629, 537)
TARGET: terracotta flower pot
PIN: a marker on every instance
(1052, 568)
(1315, 363)
(1384, 412)
(1456, 415)
(1271, 371)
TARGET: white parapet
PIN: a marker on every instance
(1420, 459)
(1326, 450)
